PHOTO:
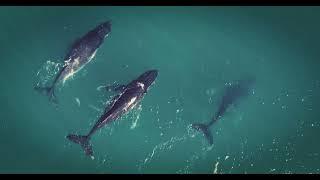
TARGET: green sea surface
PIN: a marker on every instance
(197, 50)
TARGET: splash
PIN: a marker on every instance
(47, 72)
(201, 154)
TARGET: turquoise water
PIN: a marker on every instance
(197, 50)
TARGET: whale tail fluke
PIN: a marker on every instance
(205, 130)
(49, 91)
(83, 141)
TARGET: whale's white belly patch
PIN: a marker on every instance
(74, 68)
(131, 103)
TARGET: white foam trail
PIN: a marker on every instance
(271, 170)
(46, 72)
(197, 154)
(165, 145)
(216, 168)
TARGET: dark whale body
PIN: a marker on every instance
(81, 52)
(130, 95)
(233, 93)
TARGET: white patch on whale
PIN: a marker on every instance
(74, 65)
(141, 85)
(130, 103)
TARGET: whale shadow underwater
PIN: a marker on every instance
(233, 92)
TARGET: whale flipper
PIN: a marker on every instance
(205, 130)
(49, 91)
(83, 141)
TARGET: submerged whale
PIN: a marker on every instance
(130, 95)
(81, 52)
(233, 92)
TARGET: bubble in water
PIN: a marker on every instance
(78, 101)
(47, 72)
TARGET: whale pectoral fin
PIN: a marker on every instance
(49, 91)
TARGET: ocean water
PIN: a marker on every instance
(197, 50)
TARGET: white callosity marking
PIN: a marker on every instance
(67, 62)
(140, 85)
